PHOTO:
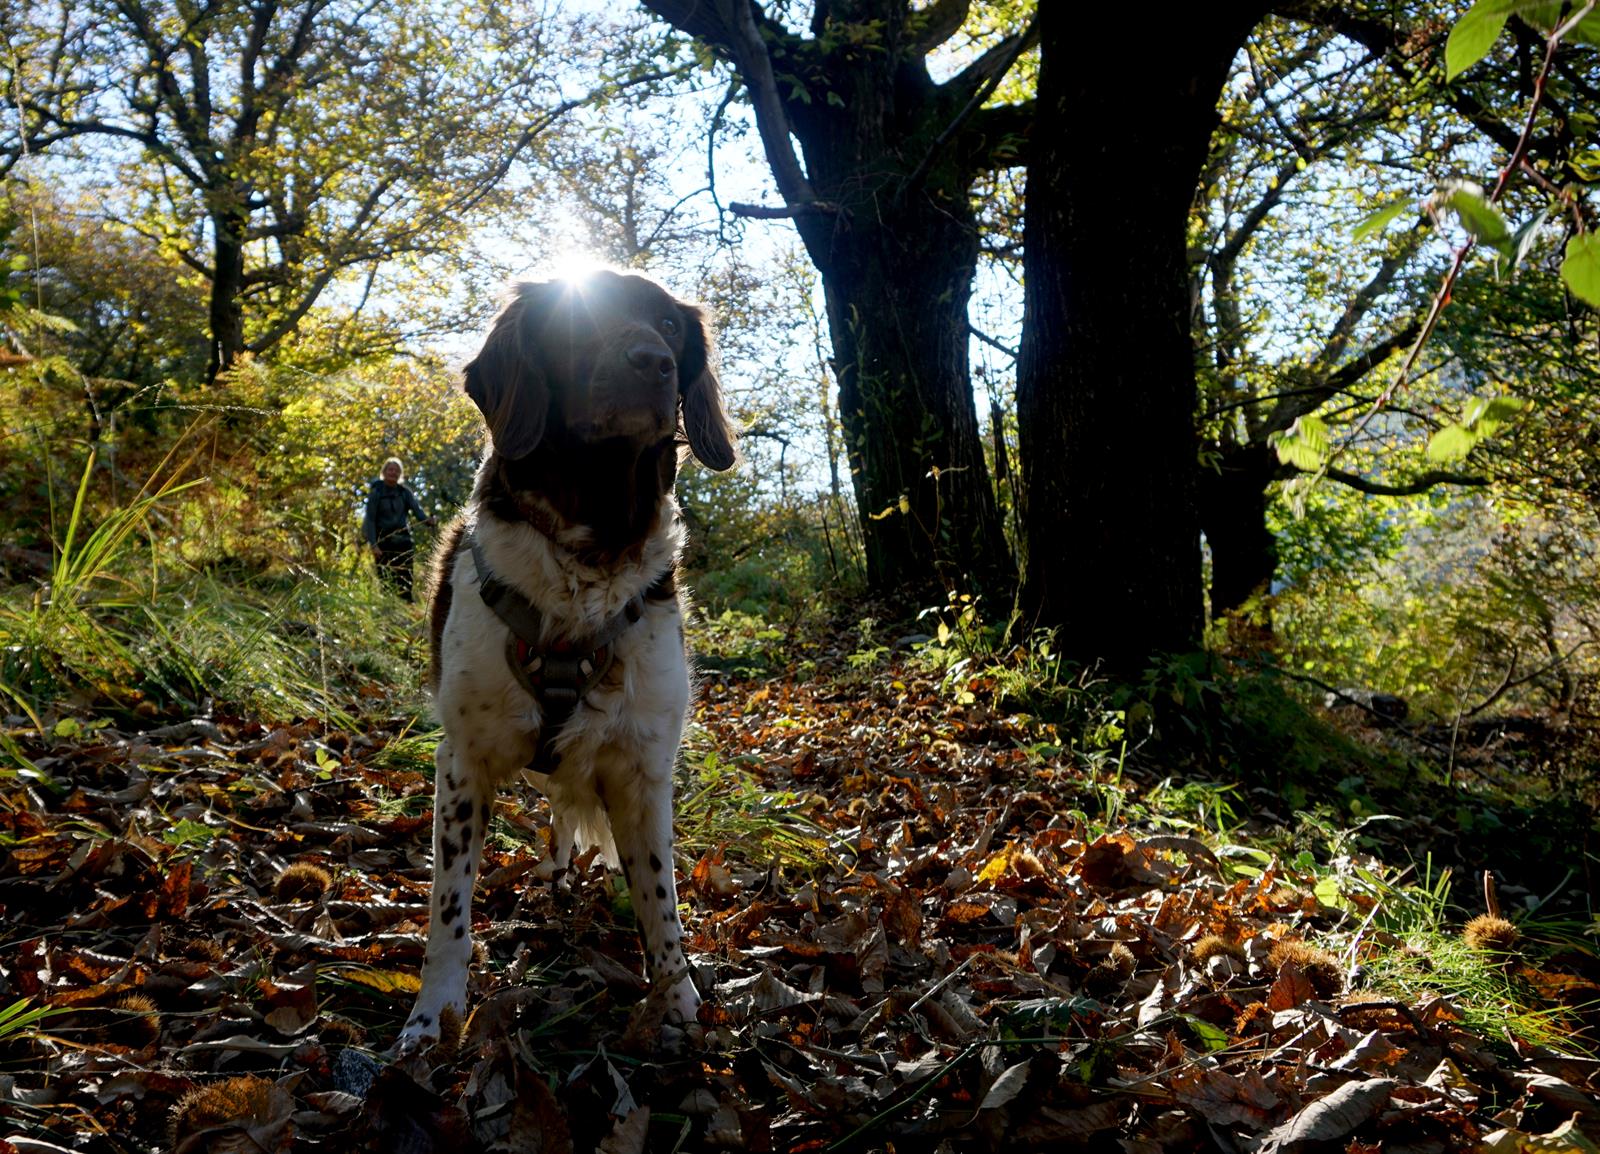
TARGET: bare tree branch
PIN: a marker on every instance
(940, 21)
(1391, 40)
(1339, 337)
(989, 69)
(1509, 682)
(992, 342)
(1420, 484)
(1298, 402)
(785, 212)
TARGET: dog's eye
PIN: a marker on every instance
(669, 326)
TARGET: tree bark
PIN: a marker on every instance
(883, 205)
(227, 281)
(1106, 385)
(897, 315)
(1233, 513)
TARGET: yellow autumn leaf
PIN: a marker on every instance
(384, 981)
(999, 865)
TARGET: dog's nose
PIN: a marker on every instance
(652, 362)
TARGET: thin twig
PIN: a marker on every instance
(1442, 297)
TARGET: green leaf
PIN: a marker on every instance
(1581, 269)
(1314, 432)
(1038, 1014)
(1522, 240)
(1304, 444)
(1330, 893)
(1476, 214)
(1293, 451)
(1379, 220)
(1451, 443)
(1211, 1037)
(1487, 414)
(1547, 15)
(189, 832)
(1473, 36)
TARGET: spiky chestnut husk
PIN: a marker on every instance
(450, 1029)
(1114, 969)
(1320, 967)
(243, 1100)
(1215, 945)
(135, 1021)
(1492, 935)
(340, 1032)
(201, 950)
(303, 882)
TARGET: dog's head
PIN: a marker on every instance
(606, 358)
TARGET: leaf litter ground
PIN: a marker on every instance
(909, 935)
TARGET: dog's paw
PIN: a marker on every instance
(427, 1029)
(556, 873)
(413, 1040)
(683, 1002)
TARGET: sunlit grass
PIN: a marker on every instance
(116, 626)
(1492, 1000)
(412, 751)
(722, 806)
(1405, 932)
(18, 1019)
(196, 644)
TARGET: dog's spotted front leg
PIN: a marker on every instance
(641, 823)
(460, 818)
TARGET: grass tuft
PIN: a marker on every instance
(722, 806)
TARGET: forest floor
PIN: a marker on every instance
(921, 918)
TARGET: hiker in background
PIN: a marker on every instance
(387, 526)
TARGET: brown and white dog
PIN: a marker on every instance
(557, 628)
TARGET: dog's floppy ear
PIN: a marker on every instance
(705, 421)
(506, 380)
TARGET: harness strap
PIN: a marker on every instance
(557, 674)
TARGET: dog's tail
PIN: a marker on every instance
(580, 807)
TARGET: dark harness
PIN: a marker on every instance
(557, 674)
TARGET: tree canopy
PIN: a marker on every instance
(281, 149)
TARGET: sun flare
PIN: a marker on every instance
(571, 261)
(573, 265)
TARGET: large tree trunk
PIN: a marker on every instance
(1105, 382)
(897, 312)
(883, 204)
(1233, 513)
(897, 255)
(227, 281)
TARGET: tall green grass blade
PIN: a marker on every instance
(17, 1018)
(22, 703)
(64, 561)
